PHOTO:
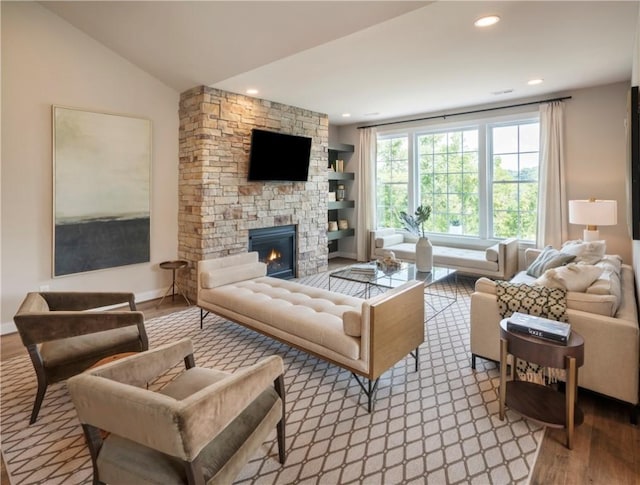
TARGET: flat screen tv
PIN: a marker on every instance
(278, 156)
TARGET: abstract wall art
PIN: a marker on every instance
(102, 185)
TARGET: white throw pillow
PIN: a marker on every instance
(492, 253)
(586, 252)
(572, 277)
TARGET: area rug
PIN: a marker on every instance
(439, 425)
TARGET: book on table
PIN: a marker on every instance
(365, 268)
(539, 327)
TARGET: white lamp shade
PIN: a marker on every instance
(593, 212)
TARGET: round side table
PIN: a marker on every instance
(535, 401)
(173, 266)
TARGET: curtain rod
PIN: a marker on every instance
(465, 112)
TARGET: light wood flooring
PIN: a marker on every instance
(606, 446)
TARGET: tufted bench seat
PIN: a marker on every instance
(497, 261)
(367, 337)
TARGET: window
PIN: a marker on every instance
(392, 177)
(480, 178)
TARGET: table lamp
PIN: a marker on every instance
(593, 213)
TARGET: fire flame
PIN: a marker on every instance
(273, 256)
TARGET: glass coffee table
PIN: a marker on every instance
(376, 279)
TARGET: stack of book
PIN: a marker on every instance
(364, 268)
(539, 327)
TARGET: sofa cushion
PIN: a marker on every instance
(547, 259)
(467, 258)
(405, 251)
(389, 240)
(599, 304)
(310, 313)
(352, 323)
(572, 277)
(587, 252)
(492, 253)
(224, 276)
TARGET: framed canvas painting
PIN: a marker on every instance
(102, 185)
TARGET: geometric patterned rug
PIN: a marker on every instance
(439, 424)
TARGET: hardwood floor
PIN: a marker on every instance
(606, 446)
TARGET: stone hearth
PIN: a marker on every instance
(218, 206)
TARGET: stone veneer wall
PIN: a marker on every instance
(218, 206)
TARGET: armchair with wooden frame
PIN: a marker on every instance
(201, 427)
(63, 338)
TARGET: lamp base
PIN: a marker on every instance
(588, 235)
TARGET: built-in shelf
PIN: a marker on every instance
(333, 235)
(339, 151)
(341, 176)
(341, 204)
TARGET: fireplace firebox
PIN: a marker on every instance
(276, 246)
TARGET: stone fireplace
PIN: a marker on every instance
(276, 247)
(218, 206)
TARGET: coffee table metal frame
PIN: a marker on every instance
(384, 280)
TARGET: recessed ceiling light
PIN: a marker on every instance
(346, 115)
(252, 91)
(502, 91)
(533, 82)
(486, 21)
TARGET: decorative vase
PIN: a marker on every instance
(424, 255)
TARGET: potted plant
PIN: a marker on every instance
(455, 226)
(414, 223)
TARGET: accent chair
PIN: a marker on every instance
(201, 427)
(64, 339)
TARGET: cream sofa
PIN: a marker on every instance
(608, 324)
(497, 261)
(366, 337)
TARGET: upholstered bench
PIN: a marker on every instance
(366, 337)
(497, 261)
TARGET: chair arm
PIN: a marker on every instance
(225, 400)
(78, 300)
(508, 258)
(180, 428)
(142, 368)
(39, 327)
(530, 255)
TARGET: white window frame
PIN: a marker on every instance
(485, 175)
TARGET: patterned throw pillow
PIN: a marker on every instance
(547, 259)
(534, 300)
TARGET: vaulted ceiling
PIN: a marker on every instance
(371, 59)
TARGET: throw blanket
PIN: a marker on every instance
(541, 301)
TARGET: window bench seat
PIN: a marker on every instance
(498, 261)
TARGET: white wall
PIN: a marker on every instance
(595, 153)
(635, 81)
(46, 61)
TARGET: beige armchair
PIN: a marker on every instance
(201, 427)
(63, 339)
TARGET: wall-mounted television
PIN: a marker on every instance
(278, 156)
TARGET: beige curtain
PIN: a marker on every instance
(552, 197)
(366, 209)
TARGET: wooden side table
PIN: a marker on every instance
(535, 401)
(173, 266)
